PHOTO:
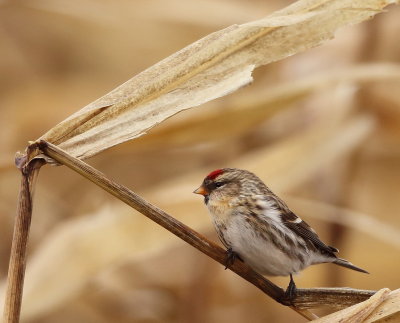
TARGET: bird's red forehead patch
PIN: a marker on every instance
(215, 173)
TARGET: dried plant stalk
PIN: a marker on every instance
(16, 269)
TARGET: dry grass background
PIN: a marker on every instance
(322, 128)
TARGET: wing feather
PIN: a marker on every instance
(307, 233)
(300, 227)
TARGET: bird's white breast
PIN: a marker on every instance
(260, 254)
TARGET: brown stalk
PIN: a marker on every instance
(305, 298)
(16, 270)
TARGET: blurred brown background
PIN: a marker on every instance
(321, 128)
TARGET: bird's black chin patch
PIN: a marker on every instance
(206, 198)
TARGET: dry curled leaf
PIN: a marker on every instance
(253, 111)
(210, 68)
(388, 311)
(357, 313)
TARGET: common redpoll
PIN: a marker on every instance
(257, 227)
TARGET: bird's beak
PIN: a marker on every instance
(201, 190)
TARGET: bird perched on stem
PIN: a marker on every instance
(257, 227)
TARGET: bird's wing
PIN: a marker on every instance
(296, 224)
(300, 227)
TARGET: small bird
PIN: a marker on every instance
(257, 227)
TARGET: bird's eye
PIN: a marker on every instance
(219, 184)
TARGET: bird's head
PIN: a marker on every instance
(228, 183)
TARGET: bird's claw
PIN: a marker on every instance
(290, 293)
(231, 256)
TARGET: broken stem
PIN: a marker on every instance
(16, 269)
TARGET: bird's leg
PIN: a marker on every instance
(231, 256)
(290, 292)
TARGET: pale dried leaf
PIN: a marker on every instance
(253, 111)
(209, 68)
(388, 311)
(356, 313)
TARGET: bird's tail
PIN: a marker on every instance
(348, 264)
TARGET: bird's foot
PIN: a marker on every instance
(290, 293)
(231, 256)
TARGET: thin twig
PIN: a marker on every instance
(16, 269)
(305, 298)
